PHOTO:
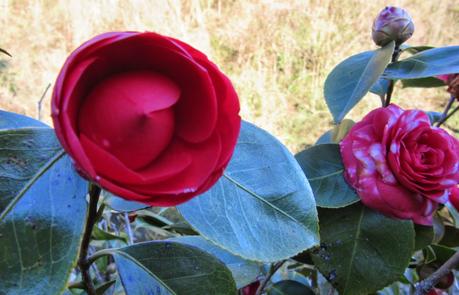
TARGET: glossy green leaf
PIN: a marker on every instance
(428, 63)
(171, 268)
(380, 87)
(262, 208)
(102, 288)
(101, 235)
(153, 218)
(451, 237)
(424, 236)
(362, 251)
(438, 254)
(341, 130)
(454, 214)
(434, 117)
(324, 169)
(427, 82)
(40, 236)
(290, 287)
(121, 205)
(414, 49)
(350, 80)
(244, 271)
(10, 120)
(25, 154)
(182, 228)
(325, 138)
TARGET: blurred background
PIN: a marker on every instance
(277, 52)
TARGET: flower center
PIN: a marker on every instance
(130, 115)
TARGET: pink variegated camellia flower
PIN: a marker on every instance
(454, 197)
(399, 164)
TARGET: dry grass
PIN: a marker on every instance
(277, 53)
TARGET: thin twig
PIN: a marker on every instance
(272, 271)
(448, 106)
(424, 286)
(390, 89)
(83, 264)
(40, 101)
(443, 120)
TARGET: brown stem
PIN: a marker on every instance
(272, 271)
(83, 263)
(424, 286)
(443, 120)
(390, 89)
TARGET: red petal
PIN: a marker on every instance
(204, 157)
(129, 115)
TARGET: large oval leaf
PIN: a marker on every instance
(244, 271)
(428, 63)
(40, 236)
(169, 268)
(362, 251)
(427, 82)
(25, 154)
(324, 169)
(262, 208)
(10, 120)
(29, 147)
(350, 80)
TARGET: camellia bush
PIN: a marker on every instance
(150, 183)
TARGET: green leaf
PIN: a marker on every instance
(153, 218)
(341, 130)
(336, 134)
(262, 208)
(5, 52)
(380, 87)
(40, 236)
(428, 63)
(424, 236)
(440, 254)
(350, 80)
(121, 205)
(427, 82)
(325, 138)
(171, 268)
(102, 288)
(26, 153)
(290, 287)
(10, 120)
(101, 235)
(362, 251)
(244, 271)
(414, 49)
(450, 237)
(324, 169)
(454, 214)
(434, 117)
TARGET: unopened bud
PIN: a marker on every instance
(392, 24)
(452, 80)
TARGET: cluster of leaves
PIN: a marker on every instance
(258, 225)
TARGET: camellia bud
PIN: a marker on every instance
(392, 24)
(452, 80)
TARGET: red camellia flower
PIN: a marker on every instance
(147, 117)
(399, 164)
